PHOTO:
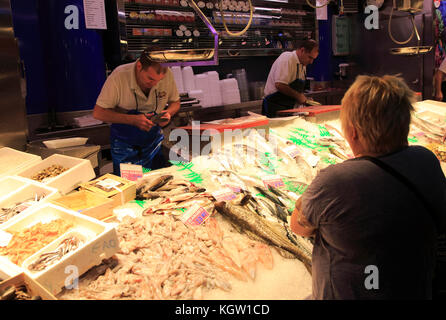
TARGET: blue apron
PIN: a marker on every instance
(129, 144)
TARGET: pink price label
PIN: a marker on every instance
(274, 181)
(197, 217)
(131, 172)
(132, 176)
(224, 195)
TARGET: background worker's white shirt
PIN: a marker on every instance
(121, 90)
(284, 70)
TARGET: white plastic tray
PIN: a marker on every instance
(79, 171)
(62, 143)
(101, 243)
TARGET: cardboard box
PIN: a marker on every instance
(101, 242)
(86, 202)
(33, 288)
(79, 171)
(103, 185)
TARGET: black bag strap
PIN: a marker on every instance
(408, 184)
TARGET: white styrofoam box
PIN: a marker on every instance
(79, 171)
(13, 161)
(188, 79)
(101, 243)
(28, 191)
(10, 184)
(178, 76)
(62, 143)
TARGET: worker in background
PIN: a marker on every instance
(286, 80)
(138, 99)
(364, 212)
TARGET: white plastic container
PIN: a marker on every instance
(214, 88)
(13, 161)
(62, 143)
(29, 190)
(178, 76)
(79, 171)
(231, 97)
(229, 84)
(101, 242)
(202, 83)
(188, 79)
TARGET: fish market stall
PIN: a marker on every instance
(215, 227)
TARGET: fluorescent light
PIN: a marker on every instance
(282, 1)
(268, 9)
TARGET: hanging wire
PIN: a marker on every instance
(390, 28)
(230, 33)
(317, 7)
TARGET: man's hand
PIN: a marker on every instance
(142, 122)
(439, 96)
(165, 119)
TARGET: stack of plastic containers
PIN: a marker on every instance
(188, 79)
(201, 83)
(178, 76)
(214, 88)
(229, 91)
(242, 80)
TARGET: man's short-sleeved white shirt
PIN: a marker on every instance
(284, 70)
(121, 90)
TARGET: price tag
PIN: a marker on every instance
(273, 180)
(195, 216)
(312, 160)
(225, 194)
(5, 237)
(292, 151)
(131, 172)
(108, 183)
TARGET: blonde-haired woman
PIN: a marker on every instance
(375, 218)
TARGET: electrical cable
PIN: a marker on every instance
(317, 7)
(390, 28)
(236, 34)
(232, 34)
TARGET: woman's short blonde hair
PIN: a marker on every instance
(380, 110)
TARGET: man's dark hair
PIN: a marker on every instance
(308, 45)
(147, 62)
